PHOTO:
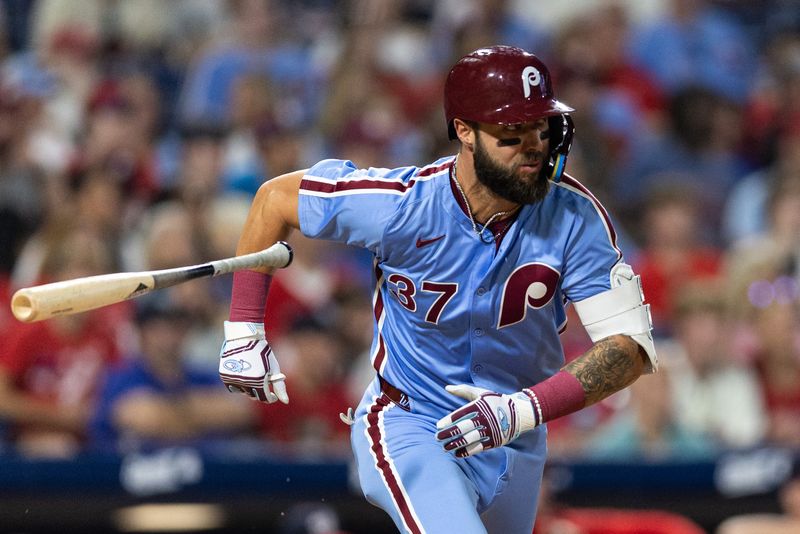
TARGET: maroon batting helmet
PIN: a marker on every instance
(507, 85)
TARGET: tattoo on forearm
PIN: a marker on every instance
(609, 366)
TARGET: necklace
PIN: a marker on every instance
(483, 227)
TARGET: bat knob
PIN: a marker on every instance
(22, 306)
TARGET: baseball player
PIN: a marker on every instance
(476, 257)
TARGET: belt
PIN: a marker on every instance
(395, 395)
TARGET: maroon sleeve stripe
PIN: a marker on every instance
(434, 169)
(309, 184)
(575, 184)
(318, 186)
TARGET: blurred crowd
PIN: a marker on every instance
(133, 135)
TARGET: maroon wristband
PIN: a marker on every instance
(249, 296)
(559, 395)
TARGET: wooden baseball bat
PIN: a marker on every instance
(82, 294)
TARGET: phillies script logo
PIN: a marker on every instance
(530, 285)
(530, 78)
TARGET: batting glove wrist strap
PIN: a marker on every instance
(528, 417)
(241, 330)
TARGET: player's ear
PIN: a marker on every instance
(465, 133)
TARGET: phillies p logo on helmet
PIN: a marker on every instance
(530, 77)
(484, 86)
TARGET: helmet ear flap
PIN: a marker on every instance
(562, 129)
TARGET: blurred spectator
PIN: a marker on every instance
(699, 147)
(648, 428)
(282, 148)
(51, 17)
(372, 98)
(251, 104)
(773, 109)
(112, 36)
(773, 252)
(765, 279)
(24, 158)
(697, 43)
(750, 209)
(49, 370)
(615, 100)
(776, 325)
(200, 164)
(256, 40)
(785, 522)
(310, 426)
(167, 236)
(119, 140)
(140, 90)
(153, 398)
(94, 201)
(307, 287)
(459, 27)
(708, 382)
(567, 437)
(98, 205)
(171, 235)
(673, 252)
(70, 53)
(351, 318)
(223, 218)
(766, 299)
(366, 137)
(782, 233)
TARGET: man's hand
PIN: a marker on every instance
(490, 420)
(247, 364)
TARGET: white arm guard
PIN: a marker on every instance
(620, 310)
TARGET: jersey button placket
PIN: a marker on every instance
(481, 310)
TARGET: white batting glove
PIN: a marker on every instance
(247, 364)
(490, 420)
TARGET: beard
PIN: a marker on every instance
(505, 182)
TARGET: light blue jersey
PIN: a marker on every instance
(451, 308)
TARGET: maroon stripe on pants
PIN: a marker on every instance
(384, 468)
